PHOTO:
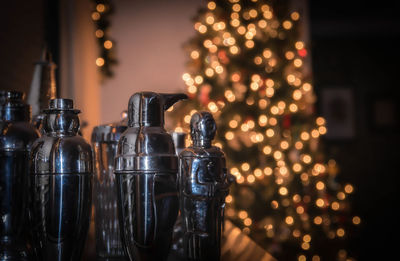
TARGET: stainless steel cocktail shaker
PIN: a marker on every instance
(107, 232)
(60, 185)
(203, 186)
(146, 167)
(16, 138)
(43, 87)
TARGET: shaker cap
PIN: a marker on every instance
(110, 132)
(13, 107)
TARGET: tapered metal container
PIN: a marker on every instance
(16, 138)
(146, 167)
(60, 185)
(107, 232)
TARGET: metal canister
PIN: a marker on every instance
(60, 185)
(146, 167)
(107, 235)
(16, 138)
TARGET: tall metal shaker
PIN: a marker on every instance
(60, 185)
(146, 167)
(16, 138)
(107, 232)
(43, 87)
(203, 185)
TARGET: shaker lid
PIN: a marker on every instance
(110, 132)
(13, 107)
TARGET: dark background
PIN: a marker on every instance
(354, 44)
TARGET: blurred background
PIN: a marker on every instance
(354, 61)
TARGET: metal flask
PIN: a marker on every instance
(203, 185)
(60, 186)
(107, 234)
(16, 138)
(43, 87)
(146, 167)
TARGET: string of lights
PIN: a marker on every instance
(247, 66)
(101, 18)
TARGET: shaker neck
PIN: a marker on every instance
(203, 143)
(61, 118)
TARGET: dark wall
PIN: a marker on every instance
(355, 45)
(26, 26)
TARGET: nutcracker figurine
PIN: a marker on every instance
(203, 185)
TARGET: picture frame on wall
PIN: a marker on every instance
(338, 110)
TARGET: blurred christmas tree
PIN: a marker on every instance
(247, 66)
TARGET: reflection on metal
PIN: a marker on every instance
(237, 246)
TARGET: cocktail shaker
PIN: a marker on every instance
(43, 87)
(146, 167)
(203, 185)
(16, 138)
(107, 233)
(60, 185)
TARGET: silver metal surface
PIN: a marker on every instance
(16, 138)
(146, 167)
(203, 185)
(107, 232)
(43, 87)
(60, 185)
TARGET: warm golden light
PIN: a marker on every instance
(99, 33)
(320, 185)
(274, 204)
(95, 16)
(270, 133)
(283, 191)
(299, 45)
(289, 220)
(320, 202)
(243, 214)
(229, 199)
(247, 222)
(245, 166)
(108, 44)
(211, 5)
(267, 171)
(295, 16)
(249, 44)
(229, 135)
(251, 178)
(356, 220)
(289, 55)
(287, 25)
(318, 220)
(348, 189)
(335, 205)
(340, 232)
(99, 61)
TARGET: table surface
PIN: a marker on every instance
(235, 246)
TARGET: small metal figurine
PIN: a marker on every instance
(203, 186)
(16, 138)
(60, 185)
(146, 168)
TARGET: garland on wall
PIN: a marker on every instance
(102, 11)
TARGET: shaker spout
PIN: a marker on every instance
(171, 98)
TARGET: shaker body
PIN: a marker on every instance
(61, 173)
(60, 214)
(107, 231)
(148, 209)
(16, 138)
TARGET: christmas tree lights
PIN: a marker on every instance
(248, 67)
